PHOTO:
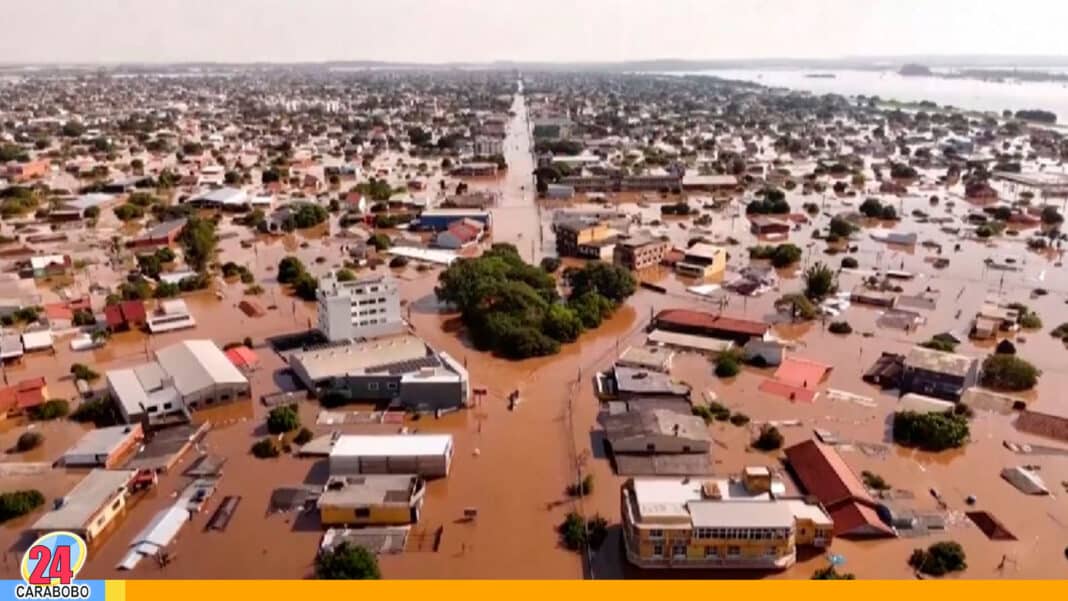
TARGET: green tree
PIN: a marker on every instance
(28, 441)
(769, 439)
(1051, 216)
(265, 448)
(289, 269)
(728, 364)
(303, 437)
(797, 305)
(50, 409)
(347, 562)
(128, 212)
(198, 241)
(930, 431)
(820, 281)
(840, 327)
(379, 241)
(841, 228)
(306, 286)
(591, 308)
(939, 559)
(830, 573)
(1009, 372)
(18, 503)
(345, 275)
(550, 264)
(610, 281)
(283, 419)
(562, 323)
(83, 372)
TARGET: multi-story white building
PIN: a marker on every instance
(364, 308)
(486, 146)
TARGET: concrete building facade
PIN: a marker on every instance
(358, 309)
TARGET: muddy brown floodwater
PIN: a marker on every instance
(514, 466)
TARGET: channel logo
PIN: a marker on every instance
(49, 567)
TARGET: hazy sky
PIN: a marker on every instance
(550, 30)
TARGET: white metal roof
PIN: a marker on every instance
(734, 514)
(197, 364)
(392, 445)
(37, 340)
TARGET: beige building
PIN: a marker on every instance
(640, 252)
(730, 523)
(702, 261)
(90, 506)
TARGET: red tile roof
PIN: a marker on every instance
(133, 310)
(824, 474)
(242, 356)
(463, 232)
(113, 316)
(25, 394)
(698, 319)
(58, 311)
(787, 391)
(857, 519)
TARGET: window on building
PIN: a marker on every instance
(711, 552)
(656, 533)
(166, 406)
(734, 551)
(363, 512)
(372, 386)
(651, 448)
(116, 504)
(658, 550)
(391, 385)
(771, 552)
(678, 551)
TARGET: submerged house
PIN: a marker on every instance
(938, 374)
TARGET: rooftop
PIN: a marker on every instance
(640, 381)
(103, 441)
(371, 490)
(360, 358)
(938, 361)
(656, 421)
(85, 499)
(699, 319)
(392, 445)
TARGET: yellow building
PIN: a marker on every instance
(733, 523)
(702, 261)
(572, 235)
(386, 500)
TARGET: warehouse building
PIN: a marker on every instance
(399, 369)
(184, 377)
